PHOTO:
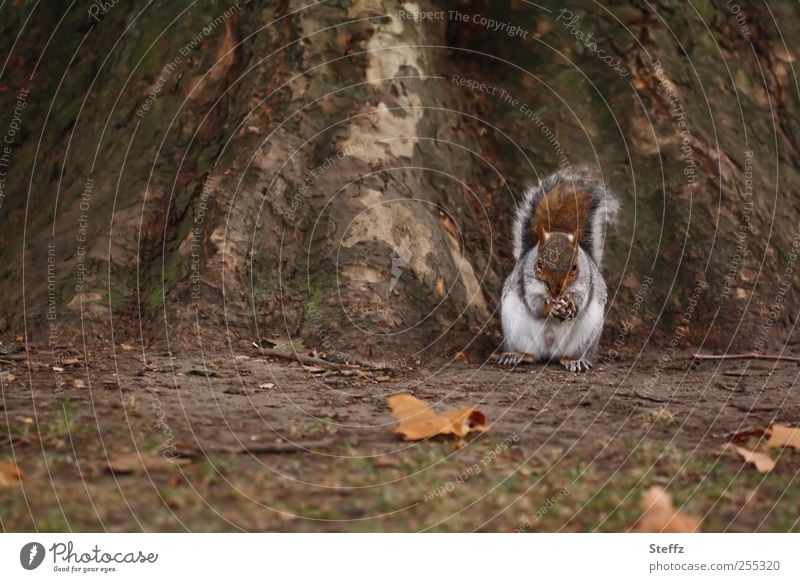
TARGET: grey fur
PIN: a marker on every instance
(602, 212)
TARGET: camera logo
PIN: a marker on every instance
(31, 555)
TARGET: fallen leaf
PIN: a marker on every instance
(126, 347)
(267, 386)
(763, 462)
(463, 357)
(9, 473)
(78, 383)
(418, 421)
(70, 362)
(660, 515)
(466, 420)
(783, 436)
(141, 461)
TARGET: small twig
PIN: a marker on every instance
(750, 356)
(342, 358)
(265, 449)
(305, 360)
(7, 362)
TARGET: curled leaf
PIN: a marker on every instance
(418, 421)
(783, 436)
(762, 461)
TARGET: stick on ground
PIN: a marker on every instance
(750, 356)
(263, 449)
(305, 360)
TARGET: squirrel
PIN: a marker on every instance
(553, 302)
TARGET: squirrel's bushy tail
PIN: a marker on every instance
(572, 200)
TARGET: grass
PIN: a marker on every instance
(419, 488)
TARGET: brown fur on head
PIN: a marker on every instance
(557, 263)
(562, 209)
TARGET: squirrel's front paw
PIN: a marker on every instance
(563, 307)
(576, 366)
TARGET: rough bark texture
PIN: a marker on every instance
(274, 170)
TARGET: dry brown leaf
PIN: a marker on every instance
(763, 462)
(418, 421)
(466, 420)
(783, 436)
(661, 516)
(9, 473)
(134, 462)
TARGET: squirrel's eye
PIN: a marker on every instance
(575, 267)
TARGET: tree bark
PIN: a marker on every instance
(343, 175)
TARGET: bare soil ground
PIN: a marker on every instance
(564, 452)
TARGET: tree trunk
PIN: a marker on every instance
(344, 175)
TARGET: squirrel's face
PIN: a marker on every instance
(557, 263)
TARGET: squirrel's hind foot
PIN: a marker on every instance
(512, 358)
(576, 366)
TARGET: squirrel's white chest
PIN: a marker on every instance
(548, 338)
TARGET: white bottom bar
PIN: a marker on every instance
(401, 557)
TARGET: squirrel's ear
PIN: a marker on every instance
(575, 238)
(543, 235)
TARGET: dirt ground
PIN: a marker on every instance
(270, 445)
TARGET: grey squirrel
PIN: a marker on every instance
(553, 302)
